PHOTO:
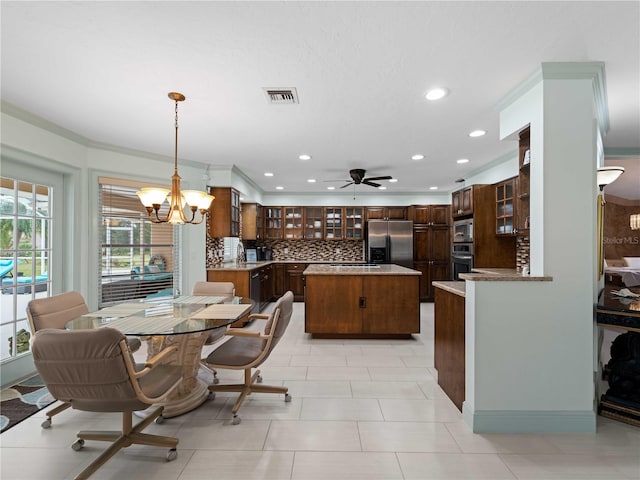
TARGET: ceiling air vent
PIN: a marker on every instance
(281, 96)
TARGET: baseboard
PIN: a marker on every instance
(507, 421)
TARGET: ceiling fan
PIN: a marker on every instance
(357, 177)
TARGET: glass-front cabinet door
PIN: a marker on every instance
(353, 229)
(273, 223)
(293, 222)
(313, 220)
(333, 222)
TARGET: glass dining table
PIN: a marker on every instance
(183, 321)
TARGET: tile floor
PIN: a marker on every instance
(361, 409)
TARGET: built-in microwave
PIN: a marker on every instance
(463, 230)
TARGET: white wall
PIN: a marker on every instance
(530, 366)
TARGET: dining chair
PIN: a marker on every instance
(214, 289)
(93, 370)
(246, 349)
(55, 312)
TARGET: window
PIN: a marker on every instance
(136, 255)
(25, 255)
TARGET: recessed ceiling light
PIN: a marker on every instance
(279, 187)
(382, 188)
(477, 133)
(331, 188)
(433, 188)
(304, 157)
(311, 180)
(268, 174)
(393, 180)
(418, 156)
(436, 93)
(463, 160)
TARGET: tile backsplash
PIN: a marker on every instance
(304, 250)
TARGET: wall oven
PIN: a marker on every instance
(463, 231)
(461, 259)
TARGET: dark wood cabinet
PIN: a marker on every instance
(506, 206)
(273, 228)
(224, 213)
(490, 250)
(333, 223)
(313, 222)
(294, 280)
(431, 256)
(436, 215)
(449, 344)
(462, 202)
(252, 227)
(279, 280)
(266, 286)
(354, 223)
(293, 223)
(386, 213)
(522, 217)
(362, 305)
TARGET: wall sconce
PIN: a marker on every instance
(634, 221)
(605, 176)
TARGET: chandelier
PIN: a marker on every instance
(153, 198)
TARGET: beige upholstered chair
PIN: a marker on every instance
(55, 312)
(93, 370)
(246, 349)
(215, 289)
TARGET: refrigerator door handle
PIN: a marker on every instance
(387, 244)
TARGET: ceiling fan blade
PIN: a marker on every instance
(386, 177)
(346, 185)
(371, 184)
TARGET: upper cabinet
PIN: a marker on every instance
(252, 228)
(386, 213)
(506, 206)
(462, 202)
(313, 221)
(353, 223)
(293, 223)
(272, 223)
(429, 215)
(224, 218)
(333, 226)
(522, 217)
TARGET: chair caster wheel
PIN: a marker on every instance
(216, 380)
(77, 445)
(172, 455)
(46, 423)
(211, 396)
(159, 420)
(287, 397)
(236, 420)
(259, 379)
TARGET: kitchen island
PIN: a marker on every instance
(361, 301)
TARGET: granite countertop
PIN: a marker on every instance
(457, 288)
(248, 266)
(354, 269)
(501, 275)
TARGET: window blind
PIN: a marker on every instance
(137, 256)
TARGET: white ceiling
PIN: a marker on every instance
(103, 71)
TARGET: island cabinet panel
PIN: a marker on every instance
(332, 305)
(362, 305)
(449, 345)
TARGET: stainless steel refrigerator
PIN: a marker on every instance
(390, 241)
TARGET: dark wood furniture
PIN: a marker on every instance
(386, 213)
(431, 245)
(252, 223)
(224, 218)
(361, 304)
(294, 280)
(449, 344)
(462, 202)
(622, 399)
(273, 227)
(293, 223)
(506, 210)
(522, 205)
